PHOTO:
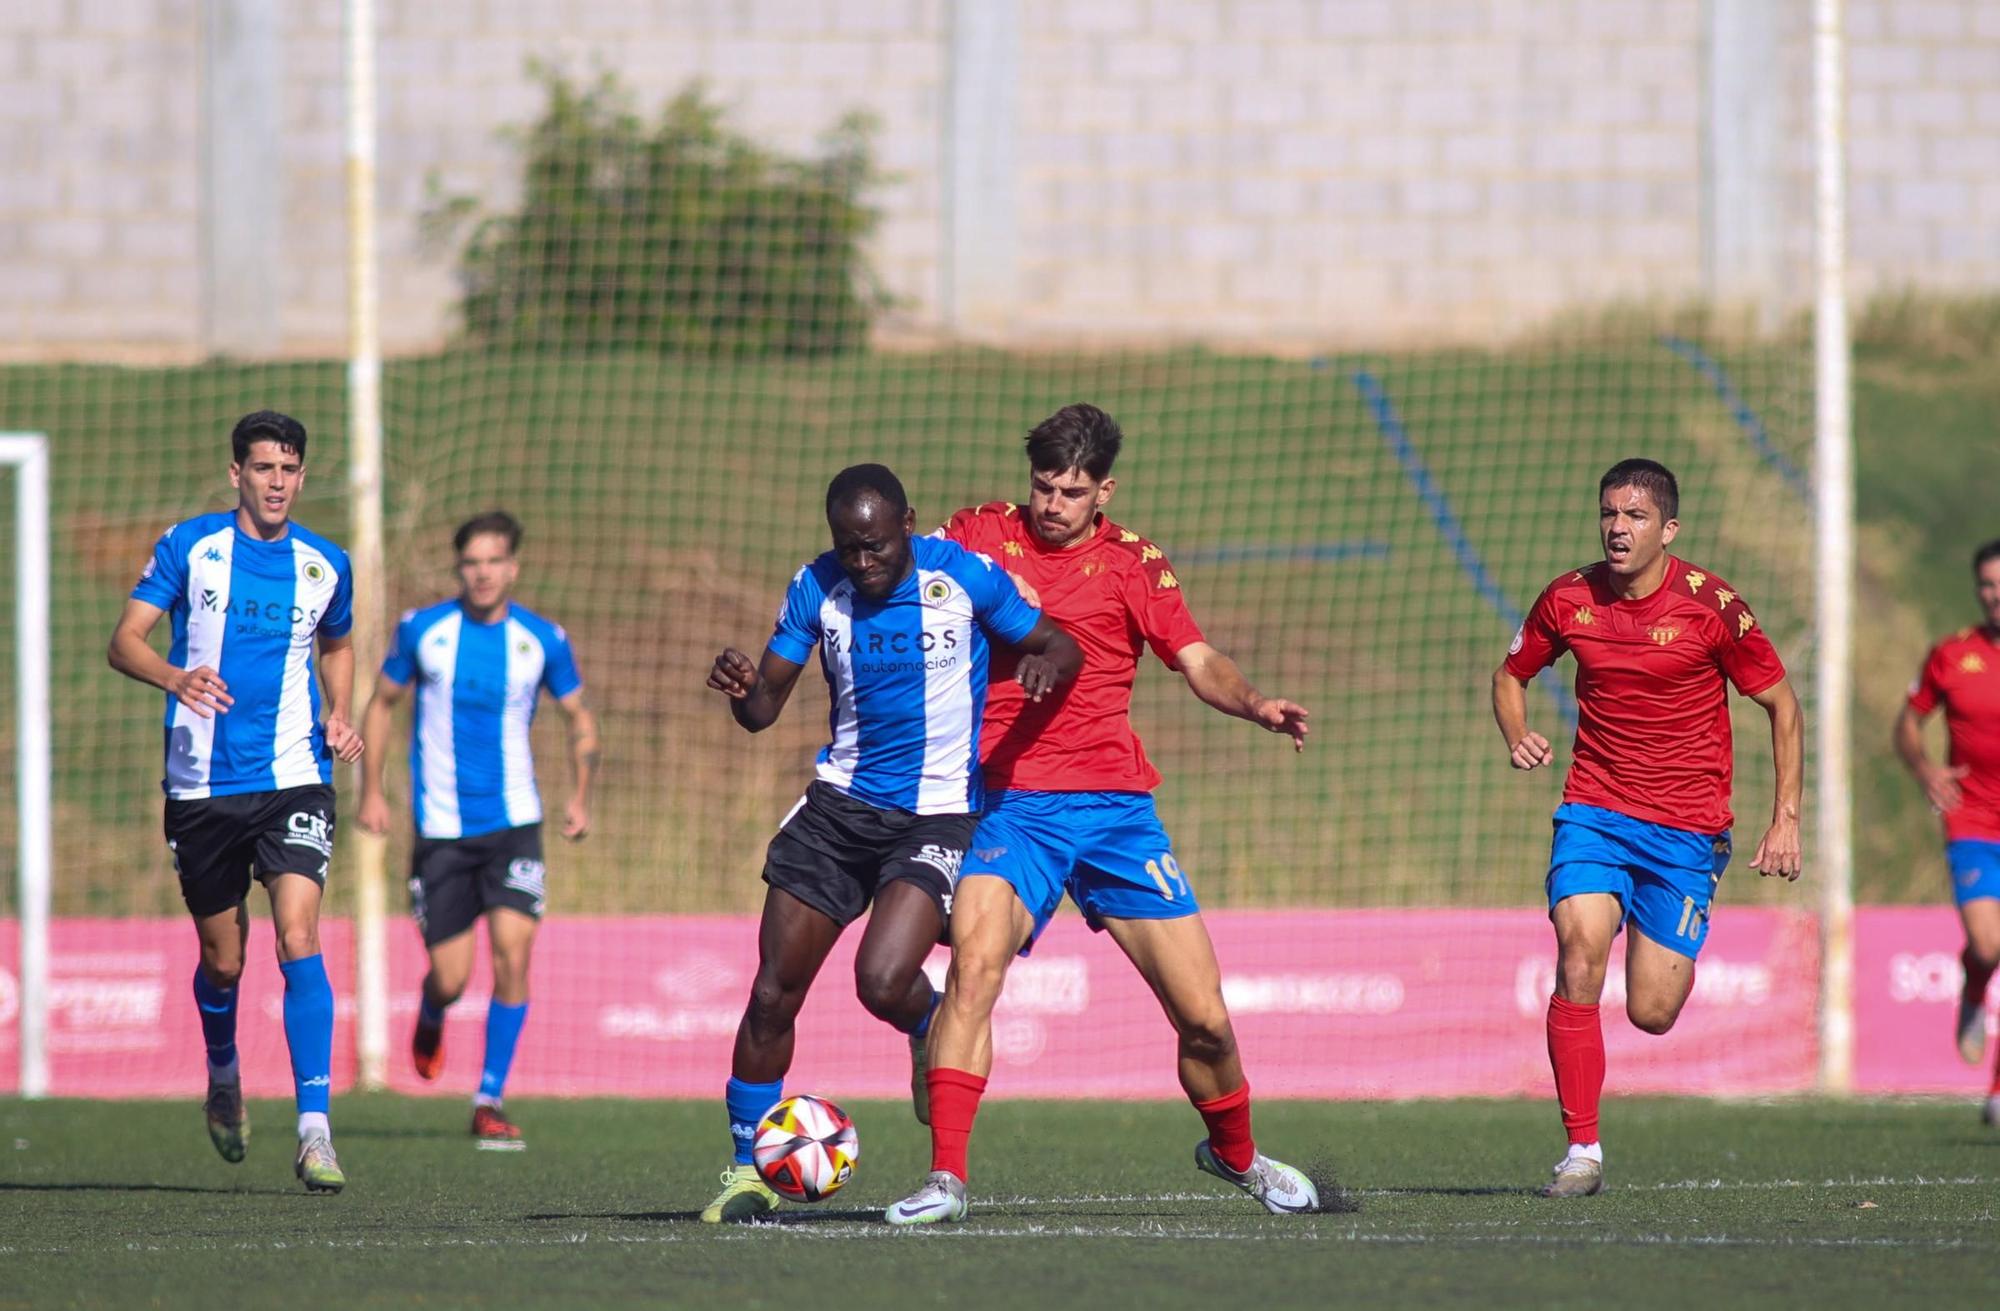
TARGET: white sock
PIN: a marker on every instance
(313, 1123)
(230, 1073)
(1588, 1151)
(486, 1099)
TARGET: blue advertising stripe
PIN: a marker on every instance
(1739, 410)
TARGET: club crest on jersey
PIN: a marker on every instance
(1013, 548)
(937, 591)
(1663, 635)
(1971, 663)
(1091, 568)
(1696, 578)
(315, 571)
(1584, 616)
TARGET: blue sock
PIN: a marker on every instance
(309, 1031)
(218, 1020)
(747, 1103)
(923, 1029)
(503, 1030)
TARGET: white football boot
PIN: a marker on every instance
(1282, 1189)
(1577, 1175)
(940, 1200)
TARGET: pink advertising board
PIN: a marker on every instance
(1391, 1003)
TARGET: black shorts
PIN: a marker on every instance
(834, 853)
(220, 842)
(453, 881)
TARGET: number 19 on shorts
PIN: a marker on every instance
(1166, 872)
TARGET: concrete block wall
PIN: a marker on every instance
(1310, 171)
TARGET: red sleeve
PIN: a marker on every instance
(1153, 596)
(1747, 656)
(1927, 693)
(1538, 643)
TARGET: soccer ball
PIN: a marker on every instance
(806, 1148)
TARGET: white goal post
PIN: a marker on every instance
(28, 454)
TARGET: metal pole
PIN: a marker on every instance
(29, 453)
(364, 487)
(1834, 559)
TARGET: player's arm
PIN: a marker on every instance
(1526, 749)
(757, 693)
(1779, 854)
(1218, 680)
(1049, 658)
(336, 674)
(585, 752)
(1940, 782)
(200, 689)
(377, 727)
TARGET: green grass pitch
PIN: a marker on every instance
(1791, 1203)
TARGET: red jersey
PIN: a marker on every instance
(1962, 674)
(1652, 734)
(1116, 595)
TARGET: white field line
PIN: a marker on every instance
(1670, 1186)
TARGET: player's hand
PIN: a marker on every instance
(373, 815)
(202, 691)
(733, 675)
(1532, 751)
(1026, 589)
(1037, 675)
(1941, 786)
(343, 739)
(576, 820)
(1779, 855)
(1282, 716)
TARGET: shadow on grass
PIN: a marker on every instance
(850, 1215)
(399, 1131)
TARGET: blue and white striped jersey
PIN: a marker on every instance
(251, 610)
(907, 675)
(471, 769)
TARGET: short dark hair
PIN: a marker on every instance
(1648, 476)
(1990, 551)
(1079, 436)
(493, 521)
(859, 480)
(267, 426)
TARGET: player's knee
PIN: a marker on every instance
(1655, 1018)
(298, 941)
(1208, 1038)
(771, 1002)
(882, 988)
(1984, 948)
(223, 972)
(975, 983)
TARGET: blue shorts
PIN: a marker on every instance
(1975, 868)
(1663, 877)
(1108, 850)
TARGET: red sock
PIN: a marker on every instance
(1228, 1121)
(1977, 975)
(1576, 1052)
(1994, 1090)
(954, 1103)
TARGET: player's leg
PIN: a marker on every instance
(511, 934)
(1672, 893)
(212, 861)
(446, 904)
(793, 940)
(513, 887)
(1012, 882)
(1975, 883)
(1586, 924)
(912, 903)
(903, 926)
(293, 852)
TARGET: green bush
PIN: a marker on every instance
(683, 236)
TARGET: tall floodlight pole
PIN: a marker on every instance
(364, 489)
(1833, 494)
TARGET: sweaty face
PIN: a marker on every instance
(1063, 506)
(486, 571)
(1634, 532)
(872, 543)
(267, 482)
(1989, 591)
